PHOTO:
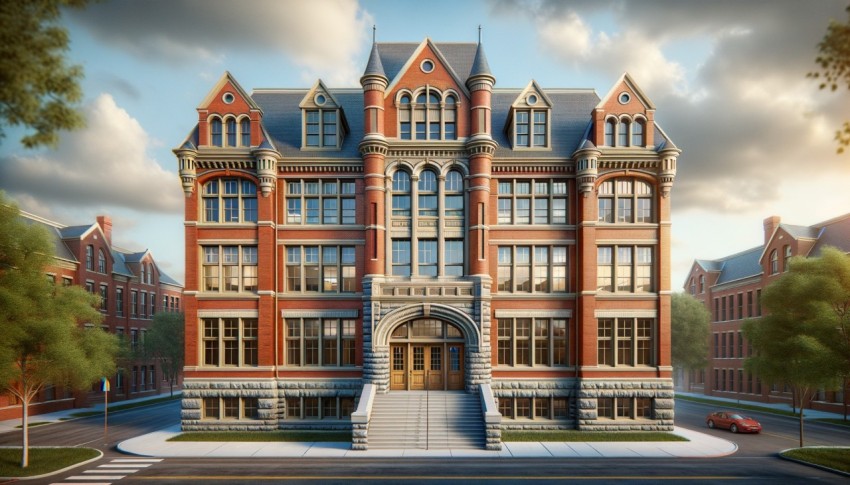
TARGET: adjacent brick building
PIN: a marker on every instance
(132, 288)
(731, 289)
(427, 230)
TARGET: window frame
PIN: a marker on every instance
(509, 261)
(510, 334)
(527, 127)
(616, 207)
(637, 341)
(216, 204)
(218, 347)
(247, 256)
(307, 202)
(611, 281)
(301, 262)
(303, 349)
(435, 119)
(510, 193)
(325, 128)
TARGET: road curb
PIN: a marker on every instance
(813, 465)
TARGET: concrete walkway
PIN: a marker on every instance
(156, 444)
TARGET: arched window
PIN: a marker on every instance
(693, 286)
(454, 194)
(450, 111)
(231, 132)
(401, 194)
(245, 130)
(623, 133)
(638, 139)
(404, 118)
(427, 191)
(610, 127)
(230, 200)
(101, 261)
(215, 132)
(701, 284)
(774, 262)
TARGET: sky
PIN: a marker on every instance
(728, 79)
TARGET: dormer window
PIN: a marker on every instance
(215, 132)
(530, 128)
(230, 132)
(625, 132)
(245, 129)
(321, 128)
(430, 117)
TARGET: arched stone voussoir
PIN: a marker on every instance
(384, 328)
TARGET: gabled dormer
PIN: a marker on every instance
(624, 118)
(529, 121)
(323, 124)
(228, 117)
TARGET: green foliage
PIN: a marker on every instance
(43, 340)
(803, 341)
(834, 63)
(835, 458)
(164, 342)
(44, 460)
(689, 331)
(37, 88)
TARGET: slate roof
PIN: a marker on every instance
(119, 264)
(797, 232)
(735, 267)
(60, 249)
(374, 67)
(834, 232)
(74, 232)
(458, 55)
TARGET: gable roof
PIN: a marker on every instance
(54, 230)
(735, 267)
(457, 57)
(224, 79)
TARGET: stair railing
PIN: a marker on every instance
(427, 408)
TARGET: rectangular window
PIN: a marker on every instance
(104, 298)
(632, 338)
(605, 269)
(230, 408)
(119, 302)
(427, 257)
(320, 202)
(532, 342)
(230, 268)
(134, 298)
(740, 306)
(230, 342)
(546, 204)
(454, 255)
(401, 257)
(540, 269)
(320, 342)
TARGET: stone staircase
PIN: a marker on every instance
(438, 420)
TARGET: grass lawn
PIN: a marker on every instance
(574, 436)
(42, 460)
(303, 436)
(121, 407)
(33, 424)
(839, 422)
(835, 458)
(737, 405)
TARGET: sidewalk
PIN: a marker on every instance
(156, 444)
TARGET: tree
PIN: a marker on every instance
(800, 341)
(834, 62)
(164, 342)
(42, 341)
(37, 88)
(689, 329)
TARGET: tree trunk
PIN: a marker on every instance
(25, 450)
(801, 394)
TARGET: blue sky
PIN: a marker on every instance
(727, 77)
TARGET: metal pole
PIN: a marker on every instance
(427, 408)
(105, 414)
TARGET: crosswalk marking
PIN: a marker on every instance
(113, 471)
(136, 460)
(101, 477)
(127, 465)
(83, 483)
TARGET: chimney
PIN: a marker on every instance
(770, 225)
(105, 223)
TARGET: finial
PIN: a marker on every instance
(374, 29)
(479, 33)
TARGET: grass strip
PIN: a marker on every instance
(33, 424)
(594, 436)
(838, 422)
(835, 458)
(123, 407)
(42, 460)
(737, 405)
(300, 436)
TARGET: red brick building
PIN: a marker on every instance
(427, 230)
(731, 290)
(132, 288)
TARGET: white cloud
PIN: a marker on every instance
(105, 163)
(325, 37)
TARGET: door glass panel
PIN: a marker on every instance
(398, 358)
(436, 358)
(418, 358)
(454, 359)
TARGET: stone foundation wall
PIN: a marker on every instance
(271, 397)
(539, 388)
(660, 390)
(194, 391)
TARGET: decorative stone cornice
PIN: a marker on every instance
(374, 144)
(187, 169)
(481, 144)
(320, 168)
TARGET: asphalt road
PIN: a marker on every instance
(755, 461)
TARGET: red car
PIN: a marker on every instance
(736, 423)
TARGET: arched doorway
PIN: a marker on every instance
(426, 353)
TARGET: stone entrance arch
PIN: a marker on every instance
(376, 362)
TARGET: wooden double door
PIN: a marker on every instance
(420, 366)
